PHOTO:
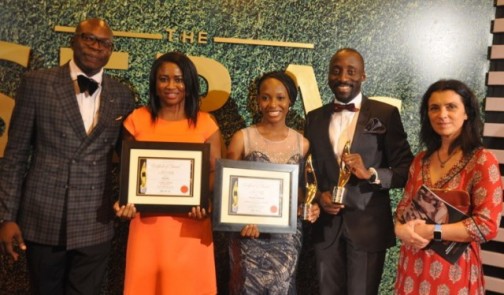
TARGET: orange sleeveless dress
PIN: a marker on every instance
(169, 254)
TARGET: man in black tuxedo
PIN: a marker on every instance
(351, 238)
(58, 205)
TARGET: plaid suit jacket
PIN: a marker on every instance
(62, 196)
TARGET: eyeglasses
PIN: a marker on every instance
(92, 40)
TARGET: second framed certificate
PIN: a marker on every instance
(163, 176)
(248, 192)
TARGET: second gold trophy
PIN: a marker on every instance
(338, 195)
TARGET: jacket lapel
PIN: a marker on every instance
(104, 115)
(106, 108)
(362, 120)
(65, 90)
(328, 110)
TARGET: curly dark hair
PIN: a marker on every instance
(470, 136)
(191, 83)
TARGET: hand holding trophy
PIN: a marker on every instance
(344, 176)
(311, 187)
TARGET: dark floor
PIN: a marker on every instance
(14, 280)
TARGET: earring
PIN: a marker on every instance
(255, 107)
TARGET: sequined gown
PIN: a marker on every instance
(424, 271)
(267, 265)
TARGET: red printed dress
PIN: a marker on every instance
(424, 271)
(169, 254)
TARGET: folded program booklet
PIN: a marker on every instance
(441, 206)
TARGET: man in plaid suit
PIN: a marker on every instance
(58, 205)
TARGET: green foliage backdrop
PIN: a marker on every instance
(407, 45)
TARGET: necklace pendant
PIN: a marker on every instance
(441, 162)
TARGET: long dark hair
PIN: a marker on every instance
(191, 83)
(470, 136)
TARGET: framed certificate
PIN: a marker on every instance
(164, 176)
(258, 193)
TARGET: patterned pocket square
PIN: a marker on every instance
(375, 126)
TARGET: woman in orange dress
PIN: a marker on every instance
(171, 253)
(454, 160)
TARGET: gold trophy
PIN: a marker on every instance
(311, 186)
(344, 175)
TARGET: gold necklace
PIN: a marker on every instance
(442, 163)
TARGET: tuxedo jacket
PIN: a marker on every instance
(382, 143)
(62, 195)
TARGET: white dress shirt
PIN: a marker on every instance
(342, 126)
(88, 104)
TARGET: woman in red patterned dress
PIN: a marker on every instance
(454, 160)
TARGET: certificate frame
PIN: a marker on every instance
(254, 176)
(166, 195)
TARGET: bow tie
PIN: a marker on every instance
(349, 107)
(87, 84)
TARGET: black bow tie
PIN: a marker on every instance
(87, 84)
(349, 107)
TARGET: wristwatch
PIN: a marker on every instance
(374, 175)
(437, 233)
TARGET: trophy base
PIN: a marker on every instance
(306, 211)
(338, 195)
